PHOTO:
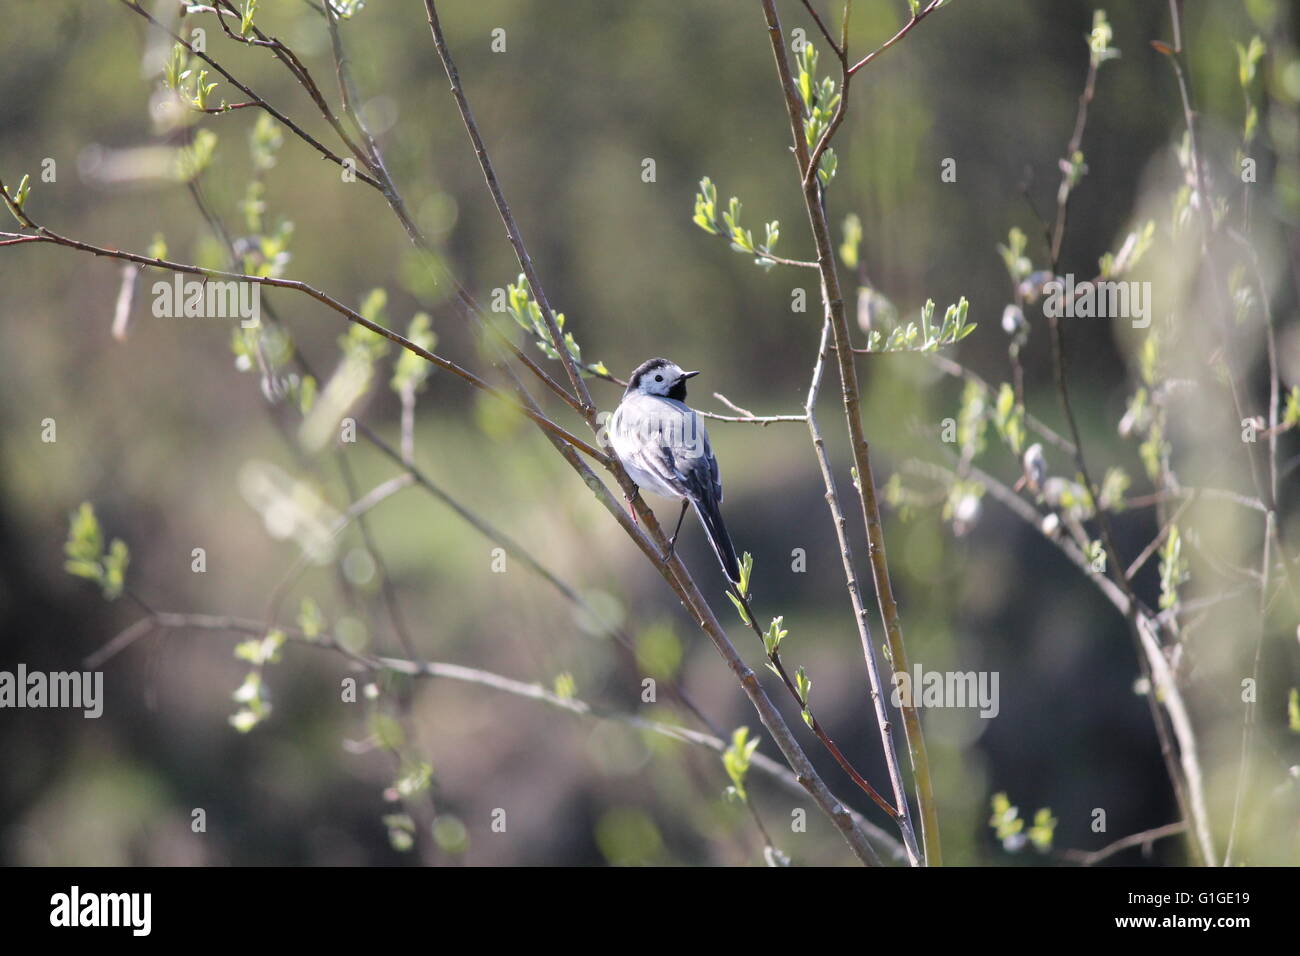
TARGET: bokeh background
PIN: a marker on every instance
(157, 430)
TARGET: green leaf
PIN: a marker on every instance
(1173, 568)
(1041, 833)
(175, 68)
(774, 636)
(311, 621)
(1008, 417)
(115, 562)
(1005, 820)
(1113, 487)
(740, 608)
(411, 371)
(24, 188)
(193, 160)
(387, 731)
(1291, 417)
(803, 684)
(414, 780)
(1247, 59)
(85, 540)
(86, 558)
(1099, 39)
(244, 720)
(566, 687)
(852, 240)
(248, 651)
(826, 169)
(737, 757)
(1013, 255)
(706, 214)
(746, 569)
(401, 831)
(263, 651)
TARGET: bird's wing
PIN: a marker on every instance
(644, 433)
(666, 439)
(658, 459)
(674, 449)
(699, 467)
(713, 466)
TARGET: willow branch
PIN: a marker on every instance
(834, 307)
(906, 29)
(283, 119)
(167, 620)
(1143, 839)
(852, 585)
(48, 236)
(503, 208)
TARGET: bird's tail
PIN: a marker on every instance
(711, 517)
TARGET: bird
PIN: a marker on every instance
(665, 448)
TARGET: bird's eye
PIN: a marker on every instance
(659, 378)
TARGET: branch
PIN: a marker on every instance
(907, 28)
(652, 541)
(289, 124)
(1154, 665)
(512, 230)
(469, 675)
(745, 415)
(1153, 661)
(834, 305)
(839, 52)
(46, 235)
(521, 554)
(957, 370)
(855, 596)
(1143, 839)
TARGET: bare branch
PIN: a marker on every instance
(834, 305)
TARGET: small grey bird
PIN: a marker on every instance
(664, 447)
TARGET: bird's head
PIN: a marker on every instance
(661, 377)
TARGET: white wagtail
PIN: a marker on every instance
(665, 449)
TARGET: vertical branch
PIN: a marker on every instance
(1183, 766)
(855, 596)
(834, 308)
(512, 230)
(651, 541)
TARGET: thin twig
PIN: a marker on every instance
(1155, 543)
(1143, 839)
(284, 120)
(46, 235)
(1151, 657)
(821, 25)
(745, 416)
(907, 28)
(471, 675)
(834, 306)
(512, 229)
(854, 588)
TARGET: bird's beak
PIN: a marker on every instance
(686, 375)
